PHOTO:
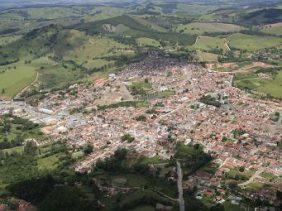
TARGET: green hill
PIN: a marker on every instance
(134, 29)
(264, 16)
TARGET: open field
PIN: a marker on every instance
(91, 52)
(144, 41)
(252, 81)
(193, 9)
(208, 43)
(273, 29)
(58, 76)
(200, 28)
(15, 78)
(48, 163)
(253, 42)
(207, 57)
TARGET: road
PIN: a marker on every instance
(253, 177)
(180, 187)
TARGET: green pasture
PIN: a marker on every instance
(200, 28)
(208, 43)
(13, 78)
(253, 42)
(273, 29)
(207, 57)
(144, 41)
(252, 81)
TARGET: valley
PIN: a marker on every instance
(140, 105)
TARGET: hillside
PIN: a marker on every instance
(264, 16)
(140, 105)
(129, 26)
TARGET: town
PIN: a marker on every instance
(158, 102)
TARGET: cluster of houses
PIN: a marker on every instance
(239, 132)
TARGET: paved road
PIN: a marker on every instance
(180, 188)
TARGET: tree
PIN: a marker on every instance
(67, 198)
(33, 190)
(127, 137)
(88, 148)
(30, 148)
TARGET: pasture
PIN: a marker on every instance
(208, 43)
(14, 78)
(252, 81)
(207, 57)
(273, 29)
(144, 41)
(91, 53)
(253, 42)
(59, 76)
(201, 28)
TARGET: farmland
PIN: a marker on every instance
(14, 78)
(273, 29)
(252, 42)
(143, 41)
(97, 47)
(208, 43)
(201, 28)
(207, 57)
(268, 86)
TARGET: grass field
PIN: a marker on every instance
(49, 163)
(253, 42)
(208, 43)
(89, 54)
(193, 9)
(252, 81)
(42, 13)
(200, 28)
(273, 29)
(12, 80)
(58, 76)
(207, 57)
(144, 41)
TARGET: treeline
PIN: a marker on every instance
(192, 157)
(55, 190)
(6, 144)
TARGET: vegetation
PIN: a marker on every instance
(207, 43)
(127, 137)
(45, 48)
(191, 157)
(210, 100)
(201, 28)
(13, 78)
(269, 87)
(14, 131)
(252, 42)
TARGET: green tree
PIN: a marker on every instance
(67, 198)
